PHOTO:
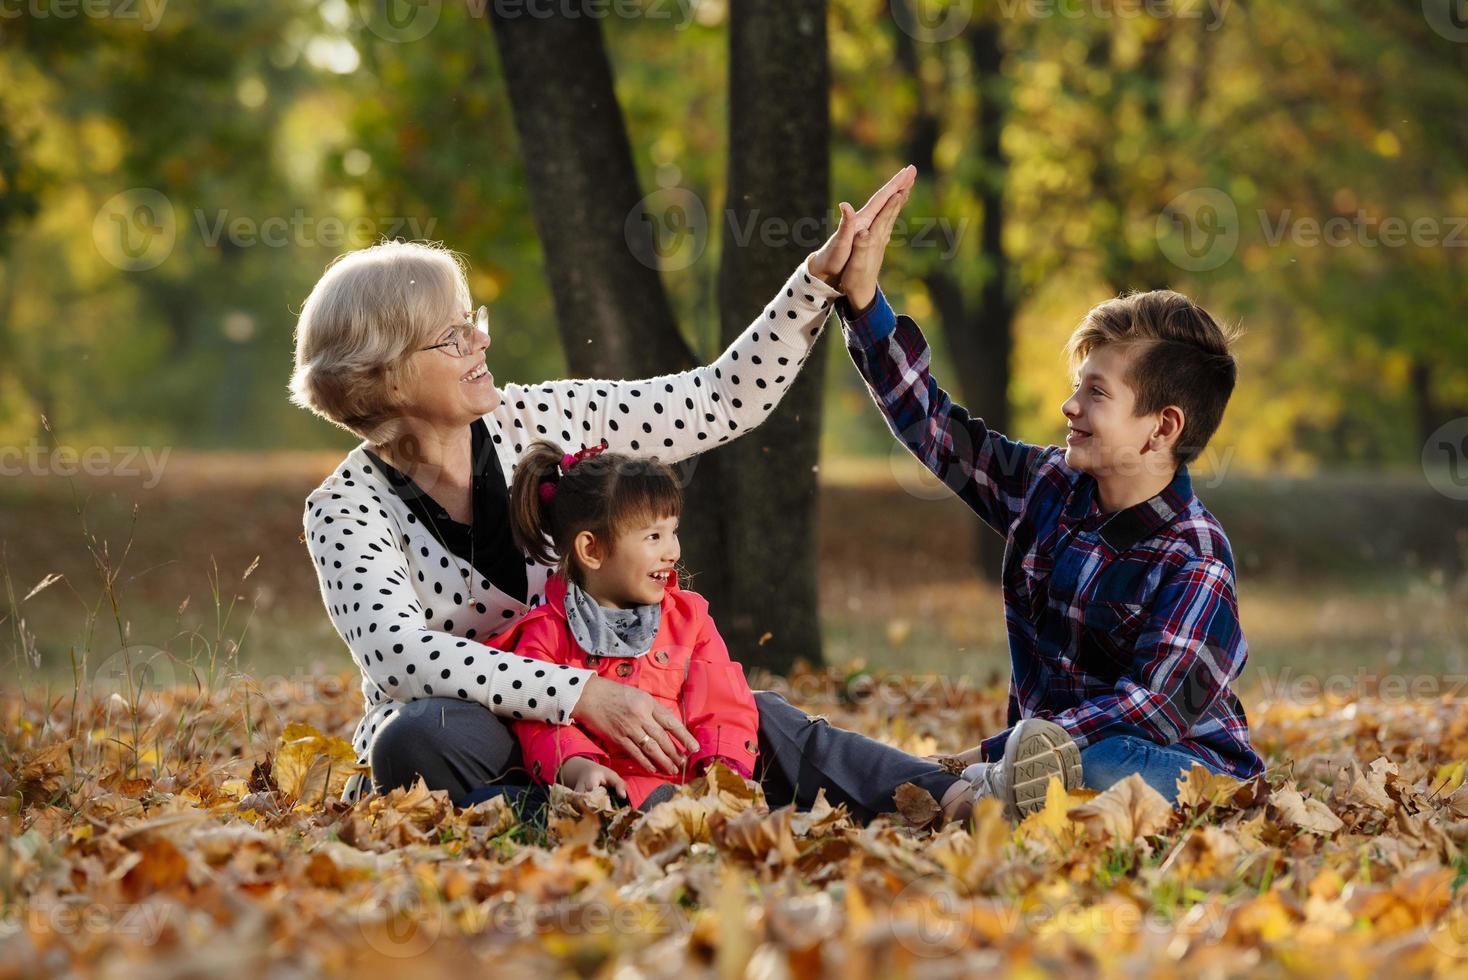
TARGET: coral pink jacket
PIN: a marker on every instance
(687, 669)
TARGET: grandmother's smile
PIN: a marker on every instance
(479, 375)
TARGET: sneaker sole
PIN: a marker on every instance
(1044, 749)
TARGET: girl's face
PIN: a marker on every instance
(637, 570)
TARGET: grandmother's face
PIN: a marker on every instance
(451, 387)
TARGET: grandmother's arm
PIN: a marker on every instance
(675, 416)
(364, 579)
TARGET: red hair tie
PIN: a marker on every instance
(548, 486)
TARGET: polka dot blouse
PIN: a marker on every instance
(402, 601)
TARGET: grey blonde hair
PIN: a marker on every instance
(366, 316)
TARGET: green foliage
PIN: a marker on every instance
(291, 115)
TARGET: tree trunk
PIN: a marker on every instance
(612, 311)
(750, 520)
(978, 333)
(779, 161)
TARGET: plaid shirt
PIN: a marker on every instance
(1119, 623)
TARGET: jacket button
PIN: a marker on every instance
(751, 747)
(661, 656)
(624, 670)
(593, 660)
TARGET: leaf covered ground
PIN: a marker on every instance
(192, 829)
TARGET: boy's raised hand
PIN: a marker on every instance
(858, 279)
(827, 262)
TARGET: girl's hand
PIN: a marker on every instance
(827, 262)
(584, 775)
(859, 278)
(637, 723)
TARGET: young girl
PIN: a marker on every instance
(608, 523)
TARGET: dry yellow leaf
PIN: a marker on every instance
(1127, 811)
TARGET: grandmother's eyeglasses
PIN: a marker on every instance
(465, 333)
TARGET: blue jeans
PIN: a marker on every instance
(1109, 761)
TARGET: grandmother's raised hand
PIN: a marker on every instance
(858, 279)
(827, 262)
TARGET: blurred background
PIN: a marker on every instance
(175, 175)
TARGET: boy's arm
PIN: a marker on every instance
(719, 707)
(989, 472)
(1190, 649)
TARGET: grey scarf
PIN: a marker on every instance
(611, 632)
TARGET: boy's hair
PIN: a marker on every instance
(604, 494)
(1181, 357)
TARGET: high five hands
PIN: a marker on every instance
(852, 257)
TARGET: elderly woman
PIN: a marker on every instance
(411, 538)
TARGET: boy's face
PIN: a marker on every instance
(636, 573)
(1104, 437)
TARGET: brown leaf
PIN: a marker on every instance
(1127, 811)
(42, 773)
(160, 866)
(1307, 814)
(916, 805)
(310, 766)
(1203, 789)
(763, 838)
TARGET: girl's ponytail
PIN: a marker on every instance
(530, 516)
(556, 496)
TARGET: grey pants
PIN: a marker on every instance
(461, 746)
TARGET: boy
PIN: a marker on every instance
(1118, 584)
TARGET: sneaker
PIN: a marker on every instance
(1035, 750)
